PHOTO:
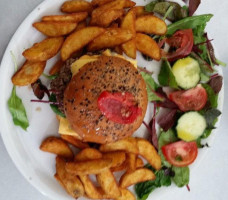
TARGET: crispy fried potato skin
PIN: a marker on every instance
(74, 6)
(110, 38)
(137, 176)
(148, 46)
(78, 40)
(70, 182)
(150, 24)
(44, 50)
(28, 73)
(74, 17)
(57, 146)
(55, 29)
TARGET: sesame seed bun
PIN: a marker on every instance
(111, 74)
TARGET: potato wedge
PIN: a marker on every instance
(91, 190)
(78, 40)
(140, 11)
(88, 167)
(139, 163)
(74, 17)
(127, 144)
(88, 154)
(59, 180)
(55, 29)
(129, 48)
(129, 4)
(71, 182)
(137, 176)
(147, 151)
(100, 2)
(131, 162)
(117, 4)
(126, 195)
(118, 157)
(107, 17)
(80, 26)
(124, 165)
(56, 67)
(57, 146)
(44, 50)
(150, 24)
(76, 6)
(148, 46)
(28, 73)
(110, 38)
(128, 22)
(108, 183)
(74, 141)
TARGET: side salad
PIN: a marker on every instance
(186, 112)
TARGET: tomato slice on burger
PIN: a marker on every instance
(183, 42)
(192, 99)
(180, 154)
(119, 107)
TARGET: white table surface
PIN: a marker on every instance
(207, 183)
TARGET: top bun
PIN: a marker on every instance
(108, 73)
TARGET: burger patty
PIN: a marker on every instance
(110, 74)
(59, 84)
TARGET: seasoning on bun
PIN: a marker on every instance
(106, 100)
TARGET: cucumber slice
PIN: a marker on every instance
(186, 72)
(190, 126)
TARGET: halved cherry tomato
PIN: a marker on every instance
(119, 107)
(183, 41)
(192, 99)
(180, 154)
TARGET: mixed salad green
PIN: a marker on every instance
(190, 106)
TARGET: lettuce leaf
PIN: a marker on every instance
(166, 77)
(17, 110)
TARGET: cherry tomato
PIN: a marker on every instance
(181, 153)
(119, 107)
(192, 99)
(183, 41)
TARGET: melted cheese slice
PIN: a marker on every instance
(65, 128)
(64, 125)
(75, 66)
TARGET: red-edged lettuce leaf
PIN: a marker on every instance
(210, 49)
(152, 129)
(216, 83)
(167, 119)
(193, 5)
(154, 137)
(39, 89)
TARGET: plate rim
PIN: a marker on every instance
(39, 186)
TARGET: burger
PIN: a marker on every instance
(103, 97)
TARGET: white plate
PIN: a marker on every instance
(36, 166)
